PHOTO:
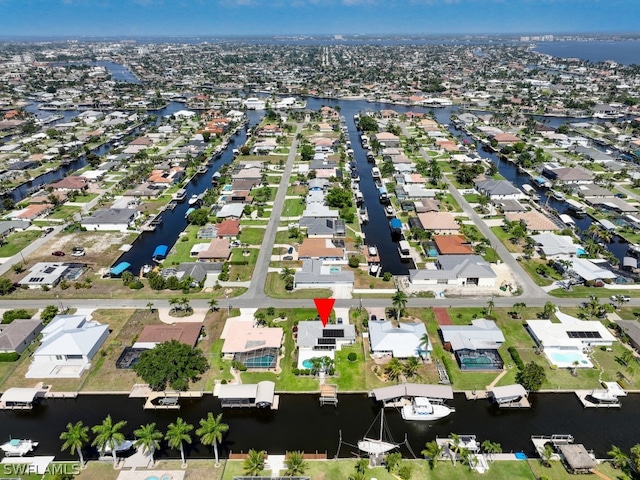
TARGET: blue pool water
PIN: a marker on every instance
(334, 269)
(580, 251)
(306, 364)
(264, 361)
(153, 477)
(568, 357)
(227, 188)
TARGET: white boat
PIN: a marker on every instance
(375, 172)
(377, 446)
(528, 189)
(604, 396)
(201, 169)
(423, 410)
(559, 195)
(389, 211)
(119, 447)
(373, 251)
(374, 269)
(194, 199)
(18, 448)
(180, 195)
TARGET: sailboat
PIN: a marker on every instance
(376, 447)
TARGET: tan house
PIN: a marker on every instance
(219, 250)
(442, 223)
(535, 221)
(322, 248)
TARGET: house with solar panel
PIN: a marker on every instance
(316, 341)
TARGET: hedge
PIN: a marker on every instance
(9, 357)
(516, 357)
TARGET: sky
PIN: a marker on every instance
(130, 18)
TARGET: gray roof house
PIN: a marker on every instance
(315, 273)
(455, 270)
(111, 219)
(313, 336)
(9, 226)
(482, 334)
(402, 341)
(632, 329)
(44, 274)
(323, 227)
(18, 335)
(552, 244)
(499, 189)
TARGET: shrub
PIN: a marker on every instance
(9, 357)
(136, 285)
(11, 315)
(516, 357)
(223, 382)
(354, 261)
(296, 371)
(352, 357)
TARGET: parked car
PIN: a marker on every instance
(77, 252)
(287, 257)
(48, 230)
(620, 298)
(290, 251)
(58, 253)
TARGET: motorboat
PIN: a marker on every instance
(180, 195)
(388, 211)
(16, 447)
(422, 409)
(373, 251)
(201, 169)
(118, 447)
(194, 199)
(604, 396)
(374, 269)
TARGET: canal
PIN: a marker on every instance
(282, 430)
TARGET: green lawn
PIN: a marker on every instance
(17, 241)
(530, 267)
(86, 198)
(351, 375)
(293, 207)
(504, 237)
(449, 200)
(275, 288)
(252, 236)
(63, 212)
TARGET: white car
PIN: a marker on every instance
(620, 298)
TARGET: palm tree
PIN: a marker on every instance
(412, 366)
(295, 463)
(432, 451)
(211, 431)
(108, 436)
(213, 304)
(148, 438)
(548, 310)
(490, 305)
(184, 304)
(619, 459)
(74, 439)
(491, 448)
(454, 448)
(399, 301)
(173, 302)
(150, 306)
(394, 369)
(286, 275)
(519, 306)
(424, 343)
(176, 436)
(546, 454)
(254, 463)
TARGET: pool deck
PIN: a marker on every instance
(145, 474)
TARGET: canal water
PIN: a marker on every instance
(282, 430)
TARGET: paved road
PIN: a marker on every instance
(256, 289)
(530, 291)
(29, 249)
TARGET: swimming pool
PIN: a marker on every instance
(227, 188)
(262, 361)
(307, 364)
(580, 251)
(334, 269)
(568, 359)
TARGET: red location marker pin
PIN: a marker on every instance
(324, 307)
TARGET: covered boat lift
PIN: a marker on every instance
(119, 268)
(260, 395)
(510, 396)
(395, 393)
(160, 253)
(21, 398)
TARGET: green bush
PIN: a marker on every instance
(516, 357)
(136, 285)
(352, 357)
(9, 357)
(11, 315)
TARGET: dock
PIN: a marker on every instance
(328, 395)
(167, 400)
(587, 402)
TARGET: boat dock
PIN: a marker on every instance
(328, 395)
(167, 400)
(248, 395)
(589, 402)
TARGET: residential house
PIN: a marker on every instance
(552, 245)
(323, 227)
(44, 274)
(31, 212)
(388, 139)
(72, 182)
(231, 211)
(218, 250)
(18, 335)
(229, 228)
(316, 274)
(69, 343)
(452, 245)
(442, 223)
(184, 332)
(505, 138)
(167, 177)
(111, 219)
(534, 220)
(313, 336)
(254, 347)
(455, 270)
(401, 340)
(567, 175)
(320, 248)
(499, 190)
(476, 345)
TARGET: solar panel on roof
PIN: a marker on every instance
(333, 333)
(584, 335)
(326, 341)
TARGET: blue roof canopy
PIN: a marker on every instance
(119, 268)
(160, 251)
(395, 223)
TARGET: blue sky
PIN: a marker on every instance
(259, 17)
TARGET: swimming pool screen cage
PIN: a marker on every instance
(258, 358)
(479, 359)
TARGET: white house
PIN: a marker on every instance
(69, 343)
(111, 219)
(402, 341)
(455, 270)
(564, 343)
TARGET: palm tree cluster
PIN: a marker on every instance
(109, 435)
(395, 368)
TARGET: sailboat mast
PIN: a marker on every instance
(381, 422)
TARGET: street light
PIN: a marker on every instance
(228, 304)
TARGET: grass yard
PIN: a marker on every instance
(451, 203)
(275, 288)
(530, 267)
(17, 241)
(293, 207)
(86, 198)
(504, 237)
(63, 212)
(252, 236)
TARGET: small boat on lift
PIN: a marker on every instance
(18, 448)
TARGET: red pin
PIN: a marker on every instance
(324, 307)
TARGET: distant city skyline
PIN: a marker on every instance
(131, 18)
